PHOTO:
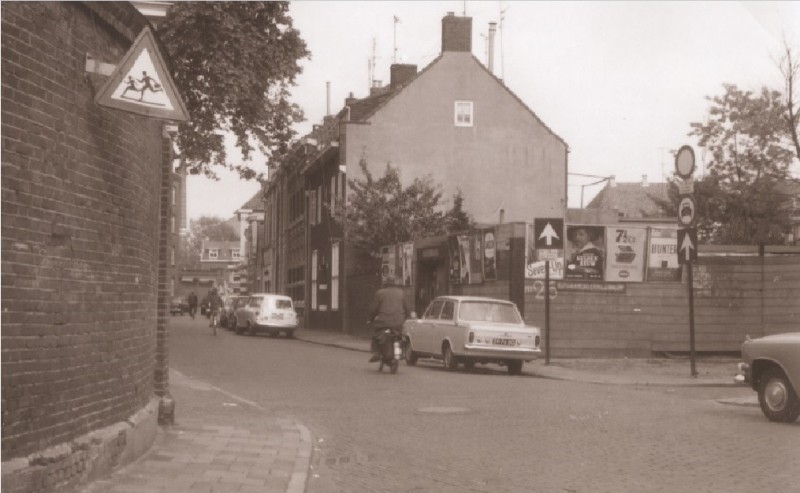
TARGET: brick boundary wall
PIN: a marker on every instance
(84, 298)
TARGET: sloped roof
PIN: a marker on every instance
(632, 199)
(362, 109)
(256, 202)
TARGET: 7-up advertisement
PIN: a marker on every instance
(625, 256)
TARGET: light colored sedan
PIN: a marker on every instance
(771, 365)
(468, 330)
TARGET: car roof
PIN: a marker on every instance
(472, 298)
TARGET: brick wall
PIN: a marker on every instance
(81, 189)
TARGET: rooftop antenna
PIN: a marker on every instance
(502, 45)
(394, 54)
(465, 8)
(371, 64)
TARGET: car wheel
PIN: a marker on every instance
(393, 366)
(777, 398)
(236, 328)
(409, 355)
(449, 359)
(514, 367)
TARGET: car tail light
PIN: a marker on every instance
(536, 341)
(471, 336)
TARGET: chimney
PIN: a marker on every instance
(377, 87)
(349, 99)
(492, 31)
(644, 181)
(327, 98)
(401, 73)
(456, 33)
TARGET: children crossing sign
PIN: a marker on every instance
(141, 83)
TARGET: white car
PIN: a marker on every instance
(468, 330)
(266, 312)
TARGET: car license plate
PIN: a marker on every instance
(504, 342)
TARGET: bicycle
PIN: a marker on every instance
(214, 320)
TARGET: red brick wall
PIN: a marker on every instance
(81, 189)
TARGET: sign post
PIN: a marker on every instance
(549, 243)
(687, 236)
(546, 312)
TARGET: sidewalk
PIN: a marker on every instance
(712, 372)
(224, 443)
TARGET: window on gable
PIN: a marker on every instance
(463, 113)
(213, 253)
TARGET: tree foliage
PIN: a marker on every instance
(744, 200)
(204, 228)
(381, 212)
(233, 63)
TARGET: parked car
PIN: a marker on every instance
(228, 313)
(468, 330)
(178, 306)
(266, 312)
(771, 365)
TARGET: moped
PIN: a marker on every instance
(390, 349)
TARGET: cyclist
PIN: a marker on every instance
(214, 306)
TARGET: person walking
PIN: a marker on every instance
(389, 311)
(192, 304)
(214, 306)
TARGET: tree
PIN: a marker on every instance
(457, 220)
(790, 69)
(233, 63)
(204, 228)
(742, 200)
(381, 212)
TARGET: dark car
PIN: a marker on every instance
(227, 316)
(178, 306)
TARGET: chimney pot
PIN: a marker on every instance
(492, 31)
(456, 33)
(401, 73)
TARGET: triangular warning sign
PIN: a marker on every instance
(141, 83)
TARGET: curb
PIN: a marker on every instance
(299, 478)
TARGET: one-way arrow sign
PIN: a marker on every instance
(687, 245)
(548, 233)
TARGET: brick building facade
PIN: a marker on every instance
(86, 216)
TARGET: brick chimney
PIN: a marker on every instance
(456, 33)
(401, 73)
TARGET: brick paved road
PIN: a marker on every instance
(425, 429)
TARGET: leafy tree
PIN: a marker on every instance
(789, 66)
(204, 228)
(743, 200)
(457, 220)
(233, 63)
(381, 212)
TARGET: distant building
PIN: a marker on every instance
(636, 201)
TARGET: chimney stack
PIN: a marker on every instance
(492, 32)
(456, 33)
(401, 73)
(327, 98)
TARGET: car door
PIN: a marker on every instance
(422, 336)
(445, 328)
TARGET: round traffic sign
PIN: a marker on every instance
(686, 210)
(684, 162)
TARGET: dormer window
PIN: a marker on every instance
(463, 113)
(213, 253)
(235, 254)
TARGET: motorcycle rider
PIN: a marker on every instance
(389, 310)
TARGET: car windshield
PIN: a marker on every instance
(483, 311)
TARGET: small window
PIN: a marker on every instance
(463, 113)
(448, 310)
(213, 253)
(235, 254)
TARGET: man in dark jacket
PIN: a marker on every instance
(389, 310)
(192, 304)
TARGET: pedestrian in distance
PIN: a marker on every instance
(192, 304)
(389, 311)
(214, 306)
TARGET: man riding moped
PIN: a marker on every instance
(389, 311)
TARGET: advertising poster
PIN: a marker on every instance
(407, 256)
(585, 252)
(464, 251)
(388, 262)
(662, 259)
(454, 249)
(476, 258)
(534, 267)
(489, 255)
(626, 250)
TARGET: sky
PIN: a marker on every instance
(620, 82)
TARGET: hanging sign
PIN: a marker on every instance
(141, 83)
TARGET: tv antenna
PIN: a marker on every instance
(502, 45)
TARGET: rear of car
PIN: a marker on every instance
(270, 313)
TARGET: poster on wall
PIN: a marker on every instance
(476, 258)
(662, 259)
(407, 255)
(388, 262)
(586, 253)
(454, 251)
(464, 251)
(535, 261)
(489, 255)
(626, 249)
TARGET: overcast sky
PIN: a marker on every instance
(620, 82)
